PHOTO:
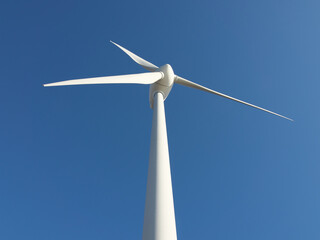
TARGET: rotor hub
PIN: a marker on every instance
(164, 85)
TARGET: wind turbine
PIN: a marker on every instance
(159, 218)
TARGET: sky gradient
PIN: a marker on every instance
(73, 160)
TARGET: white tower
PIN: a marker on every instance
(159, 218)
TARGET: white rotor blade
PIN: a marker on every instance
(145, 64)
(141, 78)
(188, 83)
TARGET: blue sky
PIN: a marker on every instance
(73, 160)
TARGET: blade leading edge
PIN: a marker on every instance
(187, 83)
(145, 64)
(140, 78)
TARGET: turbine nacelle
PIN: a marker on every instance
(164, 85)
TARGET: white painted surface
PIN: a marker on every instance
(142, 62)
(187, 83)
(140, 78)
(159, 218)
(164, 85)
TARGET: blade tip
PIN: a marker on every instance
(49, 84)
(288, 118)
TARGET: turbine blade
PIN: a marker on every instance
(141, 78)
(145, 64)
(190, 84)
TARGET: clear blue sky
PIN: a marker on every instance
(73, 160)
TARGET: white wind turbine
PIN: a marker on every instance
(159, 218)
